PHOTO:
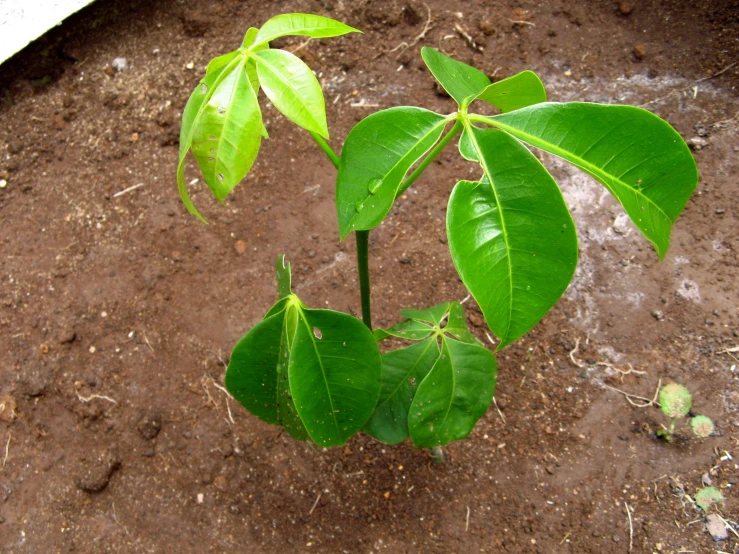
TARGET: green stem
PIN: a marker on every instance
(364, 279)
(326, 149)
(362, 244)
(453, 132)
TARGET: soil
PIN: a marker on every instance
(118, 309)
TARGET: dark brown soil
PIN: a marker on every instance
(117, 312)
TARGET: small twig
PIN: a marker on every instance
(729, 526)
(363, 104)
(724, 70)
(631, 528)
(567, 535)
(146, 339)
(490, 338)
(403, 46)
(228, 395)
(729, 350)
(466, 36)
(629, 396)
(467, 520)
(300, 46)
(499, 412)
(87, 399)
(621, 371)
(522, 22)
(578, 363)
(126, 191)
(315, 503)
(465, 299)
(7, 449)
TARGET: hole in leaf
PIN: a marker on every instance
(317, 333)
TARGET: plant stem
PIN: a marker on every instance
(326, 149)
(453, 132)
(364, 279)
(362, 244)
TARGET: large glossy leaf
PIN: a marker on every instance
(463, 82)
(257, 374)
(642, 161)
(453, 396)
(227, 133)
(301, 24)
(511, 236)
(293, 89)
(377, 154)
(334, 374)
(518, 91)
(402, 372)
(190, 116)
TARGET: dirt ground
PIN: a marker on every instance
(118, 309)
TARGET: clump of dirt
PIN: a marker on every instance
(118, 309)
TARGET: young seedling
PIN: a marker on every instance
(319, 373)
(675, 402)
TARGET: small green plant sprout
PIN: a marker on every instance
(675, 402)
(320, 373)
(707, 497)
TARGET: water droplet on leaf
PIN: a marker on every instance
(374, 184)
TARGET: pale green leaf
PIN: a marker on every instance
(227, 134)
(293, 89)
(301, 24)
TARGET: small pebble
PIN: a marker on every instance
(716, 527)
(3, 183)
(119, 64)
(697, 143)
(720, 211)
(625, 8)
(240, 246)
(640, 51)
(312, 254)
(658, 315)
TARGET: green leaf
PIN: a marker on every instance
(301, 24)
(284, 278)
(707, 497)
(516, 92)
(251, 34)
(434, 315)
(456, 325)
(334, 374)
(467, 148)
(402, 371)
(453, 396)
(463, 82)
(190, 116)
(293, 89)
(511, 236)
(257, 375)
(227, 134)
(377, 154)
(640, 159)
(409, 329)
(221, 61)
